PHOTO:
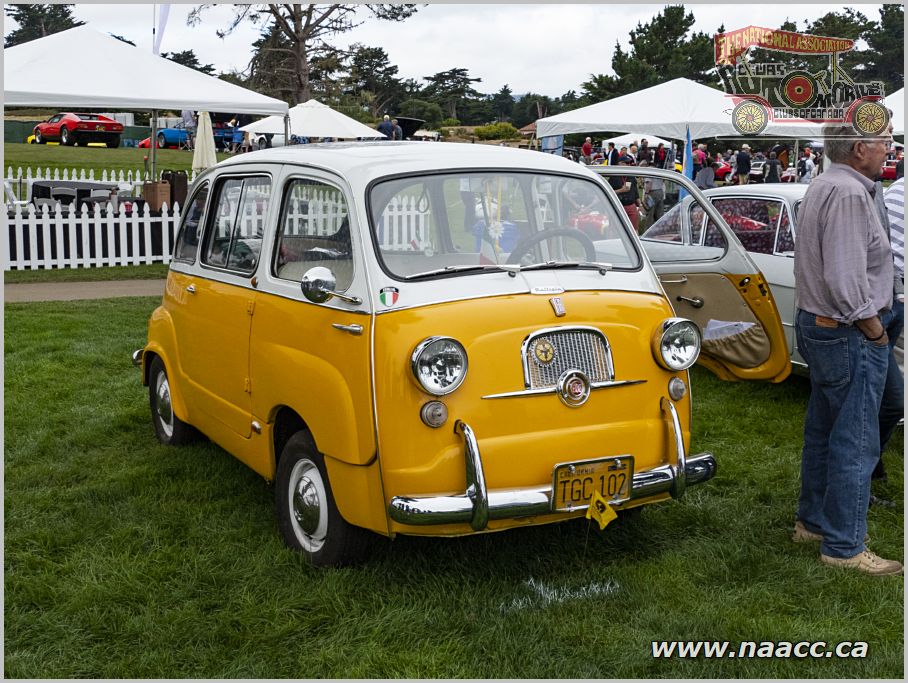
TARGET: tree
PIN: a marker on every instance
(660, 51)
(190, 59)
(374, 79)
(122, 39)
(503, 103)
(886, 53)
(531, 107)
(300, 33)
(429, 112)
(38, 21)
(450, 88)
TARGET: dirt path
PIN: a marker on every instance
(71, 291)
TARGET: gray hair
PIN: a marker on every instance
(838, 141)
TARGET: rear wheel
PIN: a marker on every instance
(66, 137)
(114, 142)
(307, 515)
(170, 430)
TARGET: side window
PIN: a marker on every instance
(239, 210)
(193, 219)
(785, 241)
(314, 231)
(753, 220)
(681, 222)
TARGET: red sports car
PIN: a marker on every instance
(79, 129)
(888, 170)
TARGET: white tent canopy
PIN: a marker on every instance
(667, 109)
(628, 138)
(313, 119)
(896, 102)
(84, 68)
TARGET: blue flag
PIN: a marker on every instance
(688, 157)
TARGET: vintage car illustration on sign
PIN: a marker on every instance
(414, 338)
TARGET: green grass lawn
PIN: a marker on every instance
(36, 157)
(142, 271)
(124, 558)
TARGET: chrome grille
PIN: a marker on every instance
(584, 349)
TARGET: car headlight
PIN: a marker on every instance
(676, 344)
(439, 365)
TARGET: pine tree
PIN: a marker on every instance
(38, 21)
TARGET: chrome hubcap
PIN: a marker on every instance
(163, 406)
(308, 505)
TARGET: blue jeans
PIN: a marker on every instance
(892, 408)
(841, 432)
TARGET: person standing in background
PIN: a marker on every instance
(586, 151)
(742, 164)
(843, 282)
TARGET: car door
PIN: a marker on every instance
(708, 277)
(217, 300)
(764, 224)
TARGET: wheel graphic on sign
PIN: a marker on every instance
(799, 89)
(749, 118)
(870, 118)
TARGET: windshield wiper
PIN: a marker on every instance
(503, 268)
(603, 268)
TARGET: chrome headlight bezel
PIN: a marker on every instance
(662, 343)
(419, 359)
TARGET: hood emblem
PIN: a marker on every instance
(574, 388)
(543, 352)
(557, 306)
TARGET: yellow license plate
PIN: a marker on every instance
(574, 482)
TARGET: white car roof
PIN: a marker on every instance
(790, 191)
(365, 161)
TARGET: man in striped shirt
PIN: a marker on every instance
(893, 405)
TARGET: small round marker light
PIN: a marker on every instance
(434, 414)
(676, 388)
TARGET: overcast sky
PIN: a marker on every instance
(543, 48)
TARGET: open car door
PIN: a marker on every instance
(706, 273)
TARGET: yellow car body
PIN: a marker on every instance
(548, 373)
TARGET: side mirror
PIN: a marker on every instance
(318, 285)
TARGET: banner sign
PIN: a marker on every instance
(732, 44)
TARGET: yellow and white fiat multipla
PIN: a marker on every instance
(435, 339)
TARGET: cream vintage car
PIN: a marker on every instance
(420, 338)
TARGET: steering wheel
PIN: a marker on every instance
(523, 246)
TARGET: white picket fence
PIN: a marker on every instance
(92, 237)
(21, 180)
(38, 238)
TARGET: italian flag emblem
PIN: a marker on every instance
(389, 295)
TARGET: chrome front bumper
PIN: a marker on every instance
(477, 505)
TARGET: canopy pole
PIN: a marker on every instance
(286, 129)
(153, 140)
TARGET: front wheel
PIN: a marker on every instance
(170, 430)
(162, 141)
(39, 139)
(307, 515)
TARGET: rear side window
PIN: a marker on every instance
(236, 224)
(193, 220)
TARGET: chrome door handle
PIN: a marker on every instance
(696, 302)
(352, 329)
(191, 289)
(674, 282)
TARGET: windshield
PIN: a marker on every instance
(473, 222)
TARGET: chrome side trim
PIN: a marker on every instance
(552, 390)
(676, 439)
